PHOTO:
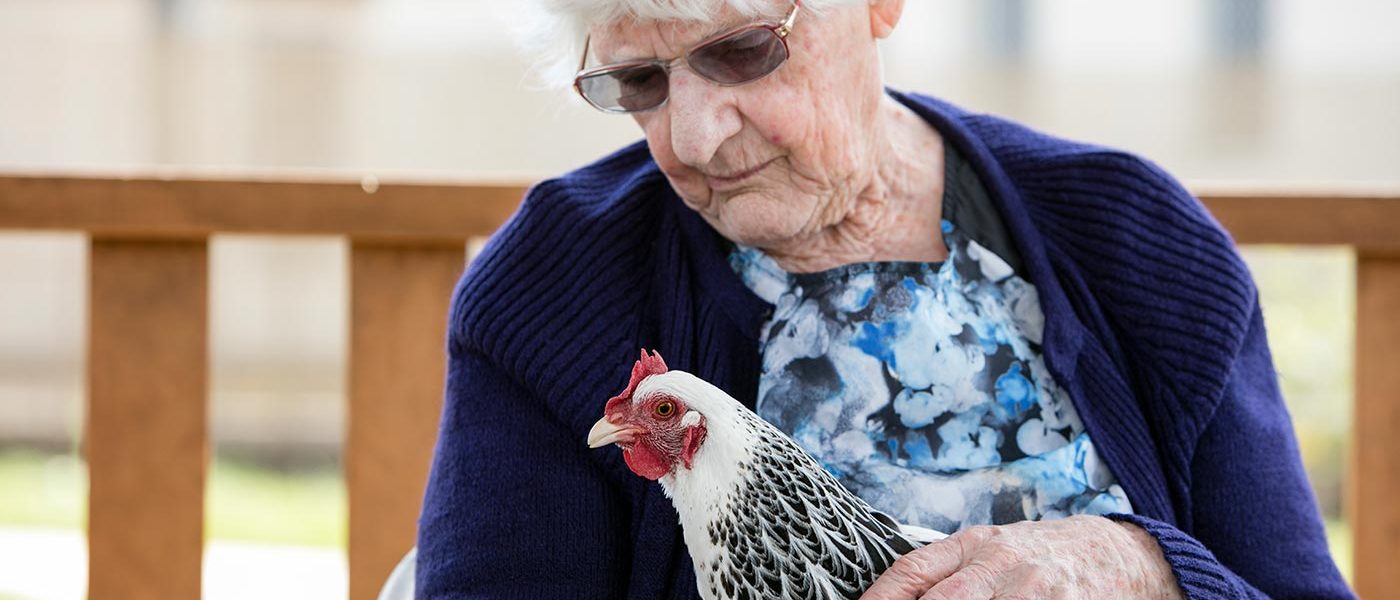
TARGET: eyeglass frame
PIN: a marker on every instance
(780, 29)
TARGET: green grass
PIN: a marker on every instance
(42, 490)
(257, 504)
(243, 502)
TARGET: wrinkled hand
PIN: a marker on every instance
(1076, 557)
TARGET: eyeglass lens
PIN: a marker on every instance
(627, 90)
(738, 58)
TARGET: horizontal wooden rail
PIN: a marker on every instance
(150, 207)
(147, 439)
(366, 208)
(1367, 219)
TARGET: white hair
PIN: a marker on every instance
(554, 30)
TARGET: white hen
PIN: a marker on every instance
(762, 518)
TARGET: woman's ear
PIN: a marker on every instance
(884, 15)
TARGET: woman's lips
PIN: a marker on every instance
(723, 182)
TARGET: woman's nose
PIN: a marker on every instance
(702, 117)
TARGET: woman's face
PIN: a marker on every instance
(773, 160)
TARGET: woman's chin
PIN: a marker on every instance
(757, 220)
(756, 234)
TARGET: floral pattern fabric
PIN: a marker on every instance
(921, 386)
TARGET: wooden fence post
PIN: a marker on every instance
(1375, 465)
(147, 440)
(399, 297)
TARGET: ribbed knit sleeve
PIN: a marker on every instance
(1250, 498)
(517, 505)
(514, 507)
(1257, 529)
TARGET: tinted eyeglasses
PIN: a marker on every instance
(735, 57)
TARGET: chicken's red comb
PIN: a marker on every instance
(646, 366)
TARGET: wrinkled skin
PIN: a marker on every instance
(1075, 557)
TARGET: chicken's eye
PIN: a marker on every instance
(665, 409)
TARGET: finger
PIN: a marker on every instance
(972, 582)
(917, 571)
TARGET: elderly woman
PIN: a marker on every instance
(1045, 346)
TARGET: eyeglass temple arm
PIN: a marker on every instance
(786, 27)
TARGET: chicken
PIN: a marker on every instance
(762, 518)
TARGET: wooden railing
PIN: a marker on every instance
(147, 434)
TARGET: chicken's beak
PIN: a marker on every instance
(605, 432)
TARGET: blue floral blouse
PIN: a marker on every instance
(921, 387)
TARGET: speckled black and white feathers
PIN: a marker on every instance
(763, 519)
(794, 532)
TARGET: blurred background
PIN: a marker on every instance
(1279, 92)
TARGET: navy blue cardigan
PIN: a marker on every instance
(1151, 322)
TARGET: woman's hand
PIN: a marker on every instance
(1076, 557)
